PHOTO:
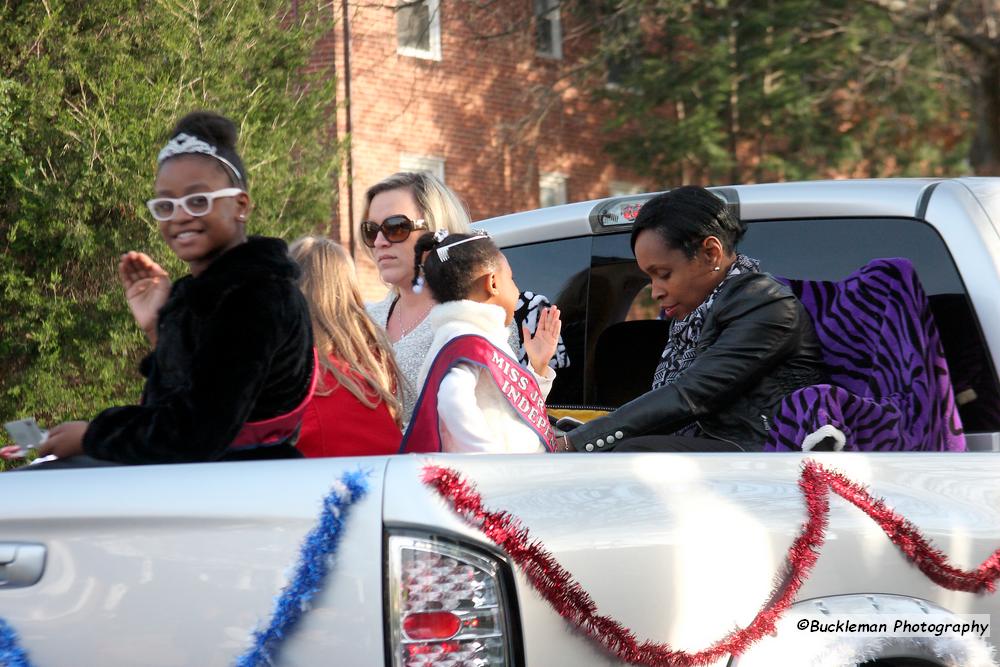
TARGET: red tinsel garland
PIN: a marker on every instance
(573, 603)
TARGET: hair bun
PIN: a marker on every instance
(212, 127)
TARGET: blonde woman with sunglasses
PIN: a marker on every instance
(354, 411)
(399, 210)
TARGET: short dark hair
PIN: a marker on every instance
(686, 216)
(451, 279)
(218, 131)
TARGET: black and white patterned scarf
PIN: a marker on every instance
(684, 333)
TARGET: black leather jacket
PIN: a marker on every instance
(757, 345)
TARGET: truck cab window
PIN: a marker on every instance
(791, 248)
(559, 270)
(822, 249)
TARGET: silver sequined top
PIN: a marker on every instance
(410, 352)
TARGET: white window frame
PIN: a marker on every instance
(434, 52)
(552, 14)
(418, 162)
(624, 188)
(554, 182)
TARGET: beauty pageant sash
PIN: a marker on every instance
(515, 383)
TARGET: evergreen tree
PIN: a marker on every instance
(968, 36)
(742, 91)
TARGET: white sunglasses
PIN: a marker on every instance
(197, 204)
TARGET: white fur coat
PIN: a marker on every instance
(474, 415)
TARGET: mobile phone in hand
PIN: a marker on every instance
(25, 433)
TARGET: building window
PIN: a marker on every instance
(623, 43)
(623, 188)
(551, 189)
(428, 163)
(418, 28)
(548, 29)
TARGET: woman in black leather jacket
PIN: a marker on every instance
(739, 340)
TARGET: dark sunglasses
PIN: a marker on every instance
(395, 229)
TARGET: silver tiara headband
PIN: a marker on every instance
(442, 251)
(184, 144)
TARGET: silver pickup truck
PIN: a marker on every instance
(178, 565)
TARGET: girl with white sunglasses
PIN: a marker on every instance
(232, 365)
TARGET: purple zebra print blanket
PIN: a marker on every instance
(890, 389)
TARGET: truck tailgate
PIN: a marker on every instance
(683, 548)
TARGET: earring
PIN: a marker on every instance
(718, 268)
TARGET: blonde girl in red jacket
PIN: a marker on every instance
(355, 411)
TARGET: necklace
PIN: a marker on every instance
(403, 329)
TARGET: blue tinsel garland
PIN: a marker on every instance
(310, 571)
(319, 545)
(11, 653)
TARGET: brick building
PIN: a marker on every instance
(477, 96)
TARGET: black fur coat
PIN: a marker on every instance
(234, 344)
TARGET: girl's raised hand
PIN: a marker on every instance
(543, 344)
(147, 287)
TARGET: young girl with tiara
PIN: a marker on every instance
(475, 395)
(354, 411)
(232, 366)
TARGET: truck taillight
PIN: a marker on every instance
(446, 605)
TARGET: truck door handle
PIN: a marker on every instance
(21, 564)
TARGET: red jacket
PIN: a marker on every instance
(338, 424)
